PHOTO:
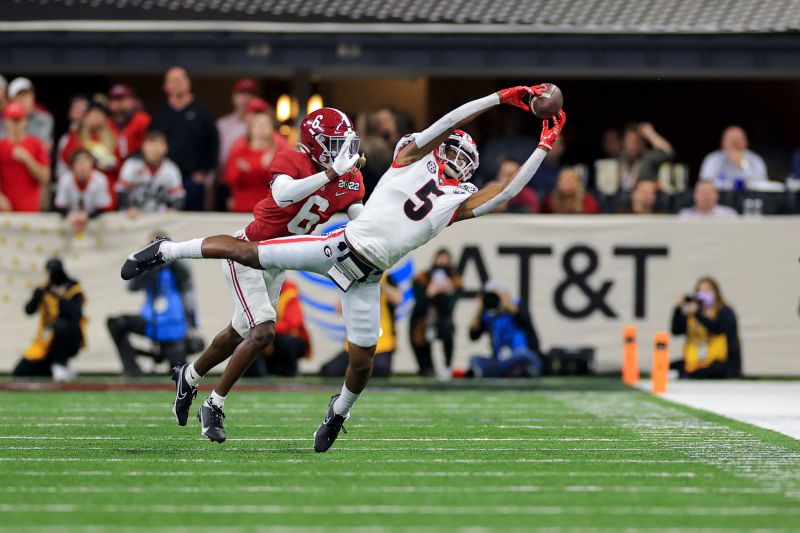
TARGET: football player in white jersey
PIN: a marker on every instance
(423, 192)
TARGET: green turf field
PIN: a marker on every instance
(557, 457)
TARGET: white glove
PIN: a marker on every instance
(345, 162)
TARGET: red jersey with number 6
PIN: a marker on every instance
(273, 221)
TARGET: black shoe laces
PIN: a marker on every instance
(216, 416)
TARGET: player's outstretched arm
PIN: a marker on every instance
(490, 197)
(435, 134)
(287, 190)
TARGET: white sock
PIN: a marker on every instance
(191, 375)
(181, 250)
(344, 402)
(216, 399)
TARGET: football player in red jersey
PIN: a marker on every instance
(307, 187)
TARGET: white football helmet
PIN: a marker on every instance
(459, 156)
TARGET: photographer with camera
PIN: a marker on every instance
(712, 348)
(168, 318)
(59, 300)
(515, 345)
(436, 292)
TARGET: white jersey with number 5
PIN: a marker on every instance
(409, 206)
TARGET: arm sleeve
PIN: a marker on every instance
(449, 121)
(287, 191)
(678, 322)
(354, 210)
(520, 179)
(34, 302)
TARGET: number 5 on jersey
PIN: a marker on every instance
(426, 194)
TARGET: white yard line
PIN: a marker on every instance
(512, 510)
(404, 489)
(772, 405)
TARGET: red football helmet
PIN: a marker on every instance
(322, 133)
(459, 153)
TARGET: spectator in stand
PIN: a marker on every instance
(233, 126)
(706, 204)
(83, 193)
(796, 164)
(129, 120)
(191, 135)
(96, 134)
(392, 124)
(733, 166)
(3, 101)
(149, 181)
(527, 201)
(544, 181)
(60, 334)
(570, 197)
(24, 163)
(637, 161)
(712, 348)
(436, 293)
(376, 150)
(40, 121)
(247, 171)
(612, 144)
(643, 199)
(77, 110)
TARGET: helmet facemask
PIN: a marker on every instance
(331, 145)
(460, 158)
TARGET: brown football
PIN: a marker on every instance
(549, 103)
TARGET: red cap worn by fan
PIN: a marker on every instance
(14, 111)
(245, 85)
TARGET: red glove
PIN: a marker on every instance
(518, 96)
(551, 133)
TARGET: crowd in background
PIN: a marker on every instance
(118, 155)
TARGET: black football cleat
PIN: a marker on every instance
(144, 260)
(326, 434)
(210, 417)
(184, 394)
